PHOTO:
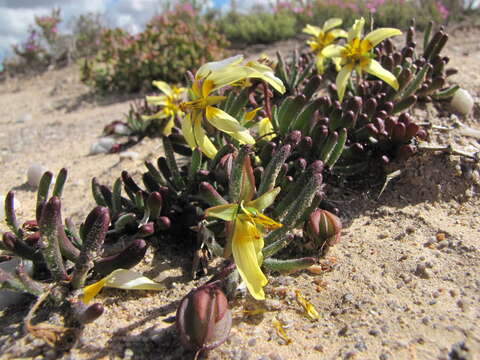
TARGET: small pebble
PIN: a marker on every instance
(318, 348)
(26, 117)
(121, 129)
(421, 271)
(131, 155)
(34, 174)
(462, 101)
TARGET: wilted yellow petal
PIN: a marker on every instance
(131, 280)
(281, 331)
(342, 80)
(164, 87)
(265, 129)
(331, 23)
(90, 291)
(377, 70)
(245, 255)
(378, 35)
(309, 309)
(225, 212)
(265, 73)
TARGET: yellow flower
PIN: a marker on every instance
(247, 224)
(357, 55)
(322, 37)
(208, 79)
(169, 102)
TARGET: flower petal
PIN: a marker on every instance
(265, 73)
(341, 81)
(90, 291)
(377, 70)
(202, 140)
(187, 130)
(311, 30)
(160, 100)
(265, 129)
(356, 30)
(264, 201)
(131, 280)
(333, 51)
(332, 23)
(377, 36)
(207, 68)
(163, 87)
(228, 124)
(338, 33)
(225, 212)
(250, 115)
(244, 249)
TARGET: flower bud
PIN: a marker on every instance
(323, 228)
(203, 318)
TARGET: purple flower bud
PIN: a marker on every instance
(203, 318)
(323, 228)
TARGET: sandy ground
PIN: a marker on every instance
(403, 283)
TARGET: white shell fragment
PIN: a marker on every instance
(462, 101)
(34, 174)
(121, 129)
(102, 146)
(130, 155)
(10, 297)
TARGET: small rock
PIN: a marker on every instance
(462, 101)
(252, 342)
(107, 142)
(421, 271)
(384, 356)
(343, 331)
(346, 298)
(318, 348)
(34, 174)
(374, 332)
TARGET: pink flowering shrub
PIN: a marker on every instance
(172, 43)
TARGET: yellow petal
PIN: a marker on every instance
(378, 35)
(338, 33)
(131, 280)
(333, 51)
(225, 212)
(312, 30)
(265, 73)
(342, 80)
(90, 291)
(250, 115)
(202, 140)
(320, 64)
(213, 66)
(356, 30)
(164, 87)
(281, 331)
(228, 124)
(265, 129)
(187, 130)
(309, 309)
(377, 70)
(331, 23)
(160, 100)
(167, 130)
(245, 255)
(264, 201)
(207, 87)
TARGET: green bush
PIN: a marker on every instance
(261, 27)
(171, 44)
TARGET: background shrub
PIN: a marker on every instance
(177, 41)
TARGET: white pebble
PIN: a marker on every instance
(462, 101)
(132, 155)
(121, 129)
(26, 117)
(107, 142)
(97, 148)
(34, 174)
